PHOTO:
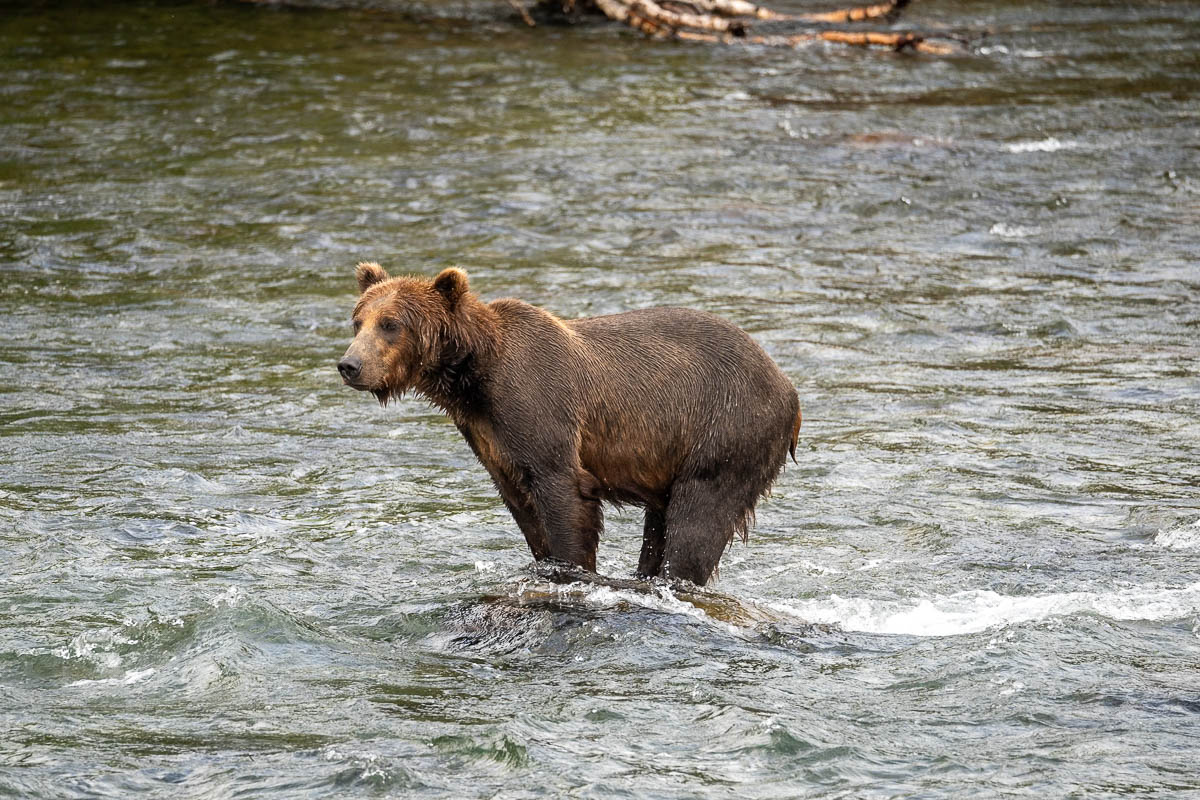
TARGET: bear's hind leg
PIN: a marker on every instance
(654, 535)
(702, 519)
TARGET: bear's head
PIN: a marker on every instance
(401, 328)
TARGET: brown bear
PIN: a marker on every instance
(673, 410)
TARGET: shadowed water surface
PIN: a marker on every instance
(225, 575)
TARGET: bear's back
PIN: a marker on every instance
(681, 362)
(693, 346)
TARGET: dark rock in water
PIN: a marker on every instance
(546, 611)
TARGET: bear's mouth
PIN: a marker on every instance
(381, 394)
(366, 387)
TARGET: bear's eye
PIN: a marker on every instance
(389, 325)
(357, 326)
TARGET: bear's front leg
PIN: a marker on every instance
(572, 521)
(520, 505)
(542, 452)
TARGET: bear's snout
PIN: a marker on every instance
(351, 368)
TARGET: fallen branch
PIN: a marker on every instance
(677, 20)
(520, 9)
(880, 11)
(732, 21)
(739, 8)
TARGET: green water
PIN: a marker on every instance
(222, 574)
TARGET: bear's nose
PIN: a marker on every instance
(350, 367)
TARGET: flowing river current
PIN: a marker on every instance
(223, 574)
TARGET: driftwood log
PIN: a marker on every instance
(743, 22)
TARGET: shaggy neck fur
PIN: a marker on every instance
(453, 372)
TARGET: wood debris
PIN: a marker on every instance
(735, 21)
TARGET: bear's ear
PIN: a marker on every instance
(368, 274)
(451, 283)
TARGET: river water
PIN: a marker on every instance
(222, 574)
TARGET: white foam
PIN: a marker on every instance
(231, 597)
(130, 677)
(606, 597)
(1049, 145)
(1013, 231)
(975, 611)
(1185, 537)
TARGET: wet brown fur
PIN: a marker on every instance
(672, 410)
